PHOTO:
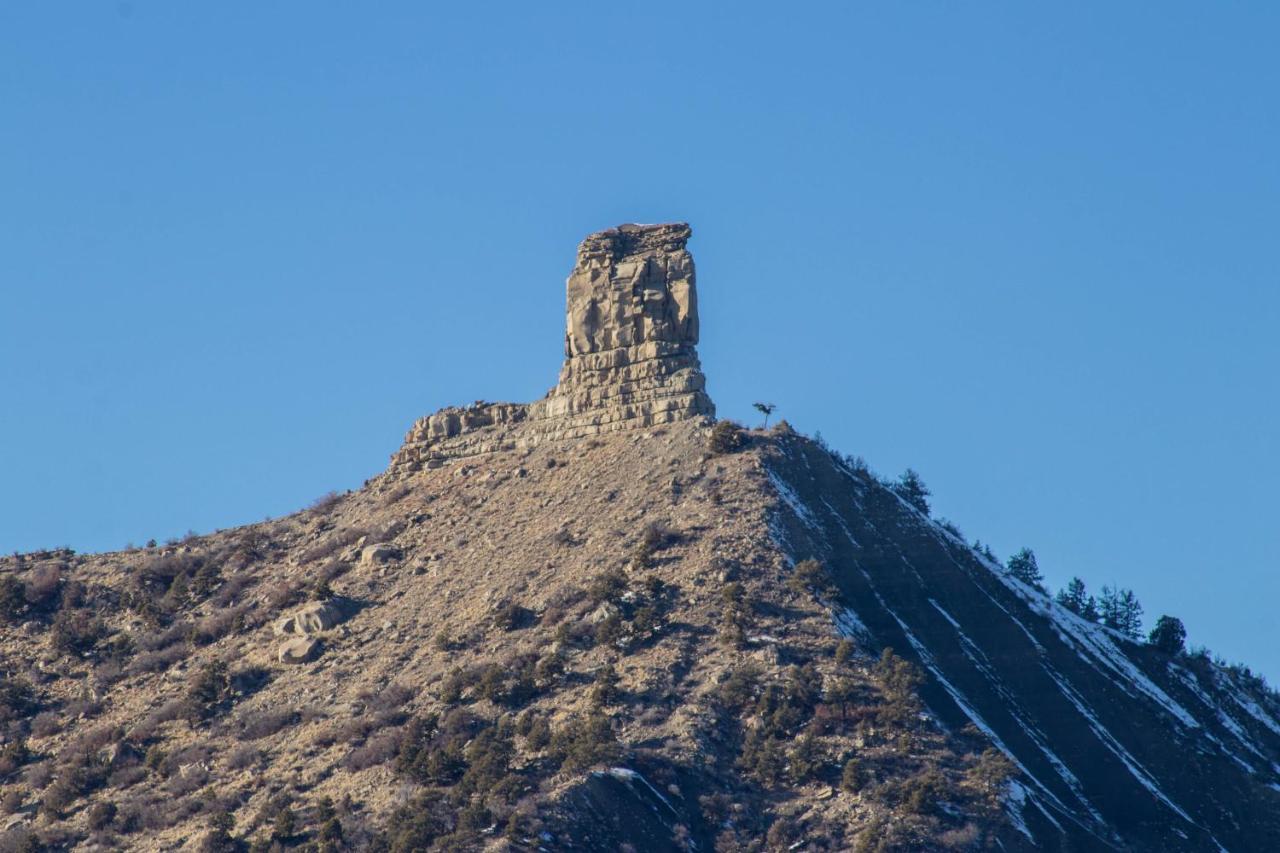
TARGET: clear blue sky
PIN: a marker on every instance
(1028, 252)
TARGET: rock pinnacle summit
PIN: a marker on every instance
(631, 360)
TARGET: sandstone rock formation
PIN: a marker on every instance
(372, 555)
(298, 650)
(630, 356)
(313, 618)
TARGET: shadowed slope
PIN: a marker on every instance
(1121, 745)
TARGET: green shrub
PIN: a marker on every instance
(844, 652)
(512, 617)
(805, 759)
(726, 437)
(76, 631)
(740, 688)
(208, 689)
(13, 598)
(853, 777)
(539, 735)
(321, 590)
(607, 586)
(923, 792)
(811, 576)
(585, 742)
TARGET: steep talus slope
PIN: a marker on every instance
(1120, 745)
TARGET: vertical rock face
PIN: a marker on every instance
(631, 306)
(632, 284)
(632, 327)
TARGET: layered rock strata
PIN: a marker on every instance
(631, 356)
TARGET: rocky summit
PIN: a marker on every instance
(630, 350)
(605, 621)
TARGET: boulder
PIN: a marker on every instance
(312, 618)
(298, 650)
(371, 555)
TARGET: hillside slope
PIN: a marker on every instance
(495, 594)
(1119, 744)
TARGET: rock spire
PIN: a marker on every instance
(631, 361)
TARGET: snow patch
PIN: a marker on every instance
(793, 501)
(1015, 803)
(849, 625)
(626, 774)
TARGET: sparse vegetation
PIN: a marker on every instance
(727, 437)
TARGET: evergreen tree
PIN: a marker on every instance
(984, 550)
(1024, 567)
(1090, 611)
(1169, 635)
(1120, 610)
(913, 490)
(1073, 596)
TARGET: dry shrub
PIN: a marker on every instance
(38, 776)
(212, 628)
(45, 724)
(159, 661)
(964, 838)
(397, 495)
(379, 749)
(83, 747)
(108, 673)
(255, 725)
(244, 756)
(188, 782)
(282, 594)
(169, 711)
(390, 698)
(334, 543)
(82, 708)
(19, 840)
(176, 633)
(231, 591)
(325, 503)
(333, 570)
(126, 777)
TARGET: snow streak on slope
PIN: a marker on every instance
(1093, 642)
(793, 502)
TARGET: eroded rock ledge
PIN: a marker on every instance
(631, 356)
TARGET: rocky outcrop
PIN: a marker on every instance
(631, 360)
(298, 650)
(313, 618)
(630, 346)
